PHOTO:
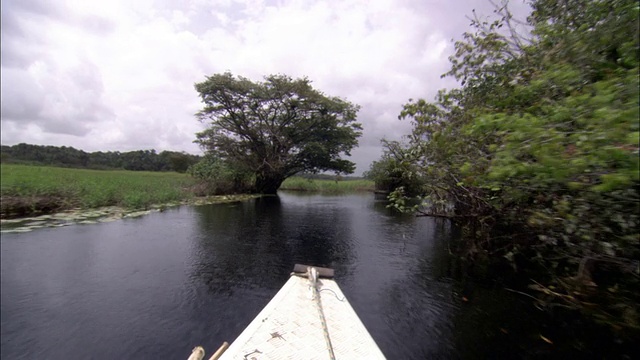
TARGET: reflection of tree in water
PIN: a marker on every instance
(231, 237)
(319, 236)
(255, 244)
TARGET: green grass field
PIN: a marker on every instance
(52, 188)
(30, 190)
(328, 186)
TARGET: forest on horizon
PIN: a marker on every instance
(65, 156)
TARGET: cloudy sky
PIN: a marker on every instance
(119, 74)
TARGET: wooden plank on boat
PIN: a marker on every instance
(322, 271)
(216, 355)
(197, 353)
(290, 326)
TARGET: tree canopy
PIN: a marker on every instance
(276, 128)
(543, 136)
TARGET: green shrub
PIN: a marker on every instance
(219, 177)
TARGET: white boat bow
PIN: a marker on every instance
(309, 318)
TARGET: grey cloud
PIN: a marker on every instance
(364, 155)
(202, 14)
(95, 24)
(167, 135)
(71, 103)
(57, 101)
(15, 12)
(22, 97)
(64, 127)
(16, 53)
(10, 23)
(21, 41)
(39, 7)
(81, 97)
(87, 76)
(16, 42)
(452, 17)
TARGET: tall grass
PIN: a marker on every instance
(329, 186)
(27, 189)
(91, 188)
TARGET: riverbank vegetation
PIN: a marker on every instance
(29, 190)
(32, 190)
(537, 155)
(336, 186)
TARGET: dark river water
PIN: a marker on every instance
(155, 287)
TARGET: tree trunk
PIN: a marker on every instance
(268, 183)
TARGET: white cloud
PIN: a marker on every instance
(119, 75)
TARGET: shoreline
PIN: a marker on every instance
(105, 214)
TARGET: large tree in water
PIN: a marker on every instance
(276, 128)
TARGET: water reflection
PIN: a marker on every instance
(255, 243)
(155, 287)
(415, 298)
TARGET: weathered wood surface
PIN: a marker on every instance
(322, 272)
(290, 327)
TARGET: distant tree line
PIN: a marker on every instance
(139, 160)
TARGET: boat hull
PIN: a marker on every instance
(291, 326)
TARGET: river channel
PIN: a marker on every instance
(156, 286)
